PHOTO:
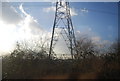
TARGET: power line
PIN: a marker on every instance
(99, 11)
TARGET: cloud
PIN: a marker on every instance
(101, 44)
(16, 28)
(96, 39)
(29, 23)
(9, 14)
(49, 9)
(22, 10)
(53, 8)
(89, 29)
(78, 32)
(8, 36)
(84, 10)
(73, 12)
(107, 42)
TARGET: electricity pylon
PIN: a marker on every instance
(63, 23)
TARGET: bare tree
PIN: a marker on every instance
(85, 47)
(34, 48)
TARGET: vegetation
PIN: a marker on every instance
(25, 63)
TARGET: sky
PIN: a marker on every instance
(30, 20)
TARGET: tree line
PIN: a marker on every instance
(26, 63)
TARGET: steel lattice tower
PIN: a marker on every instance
(63, 22)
